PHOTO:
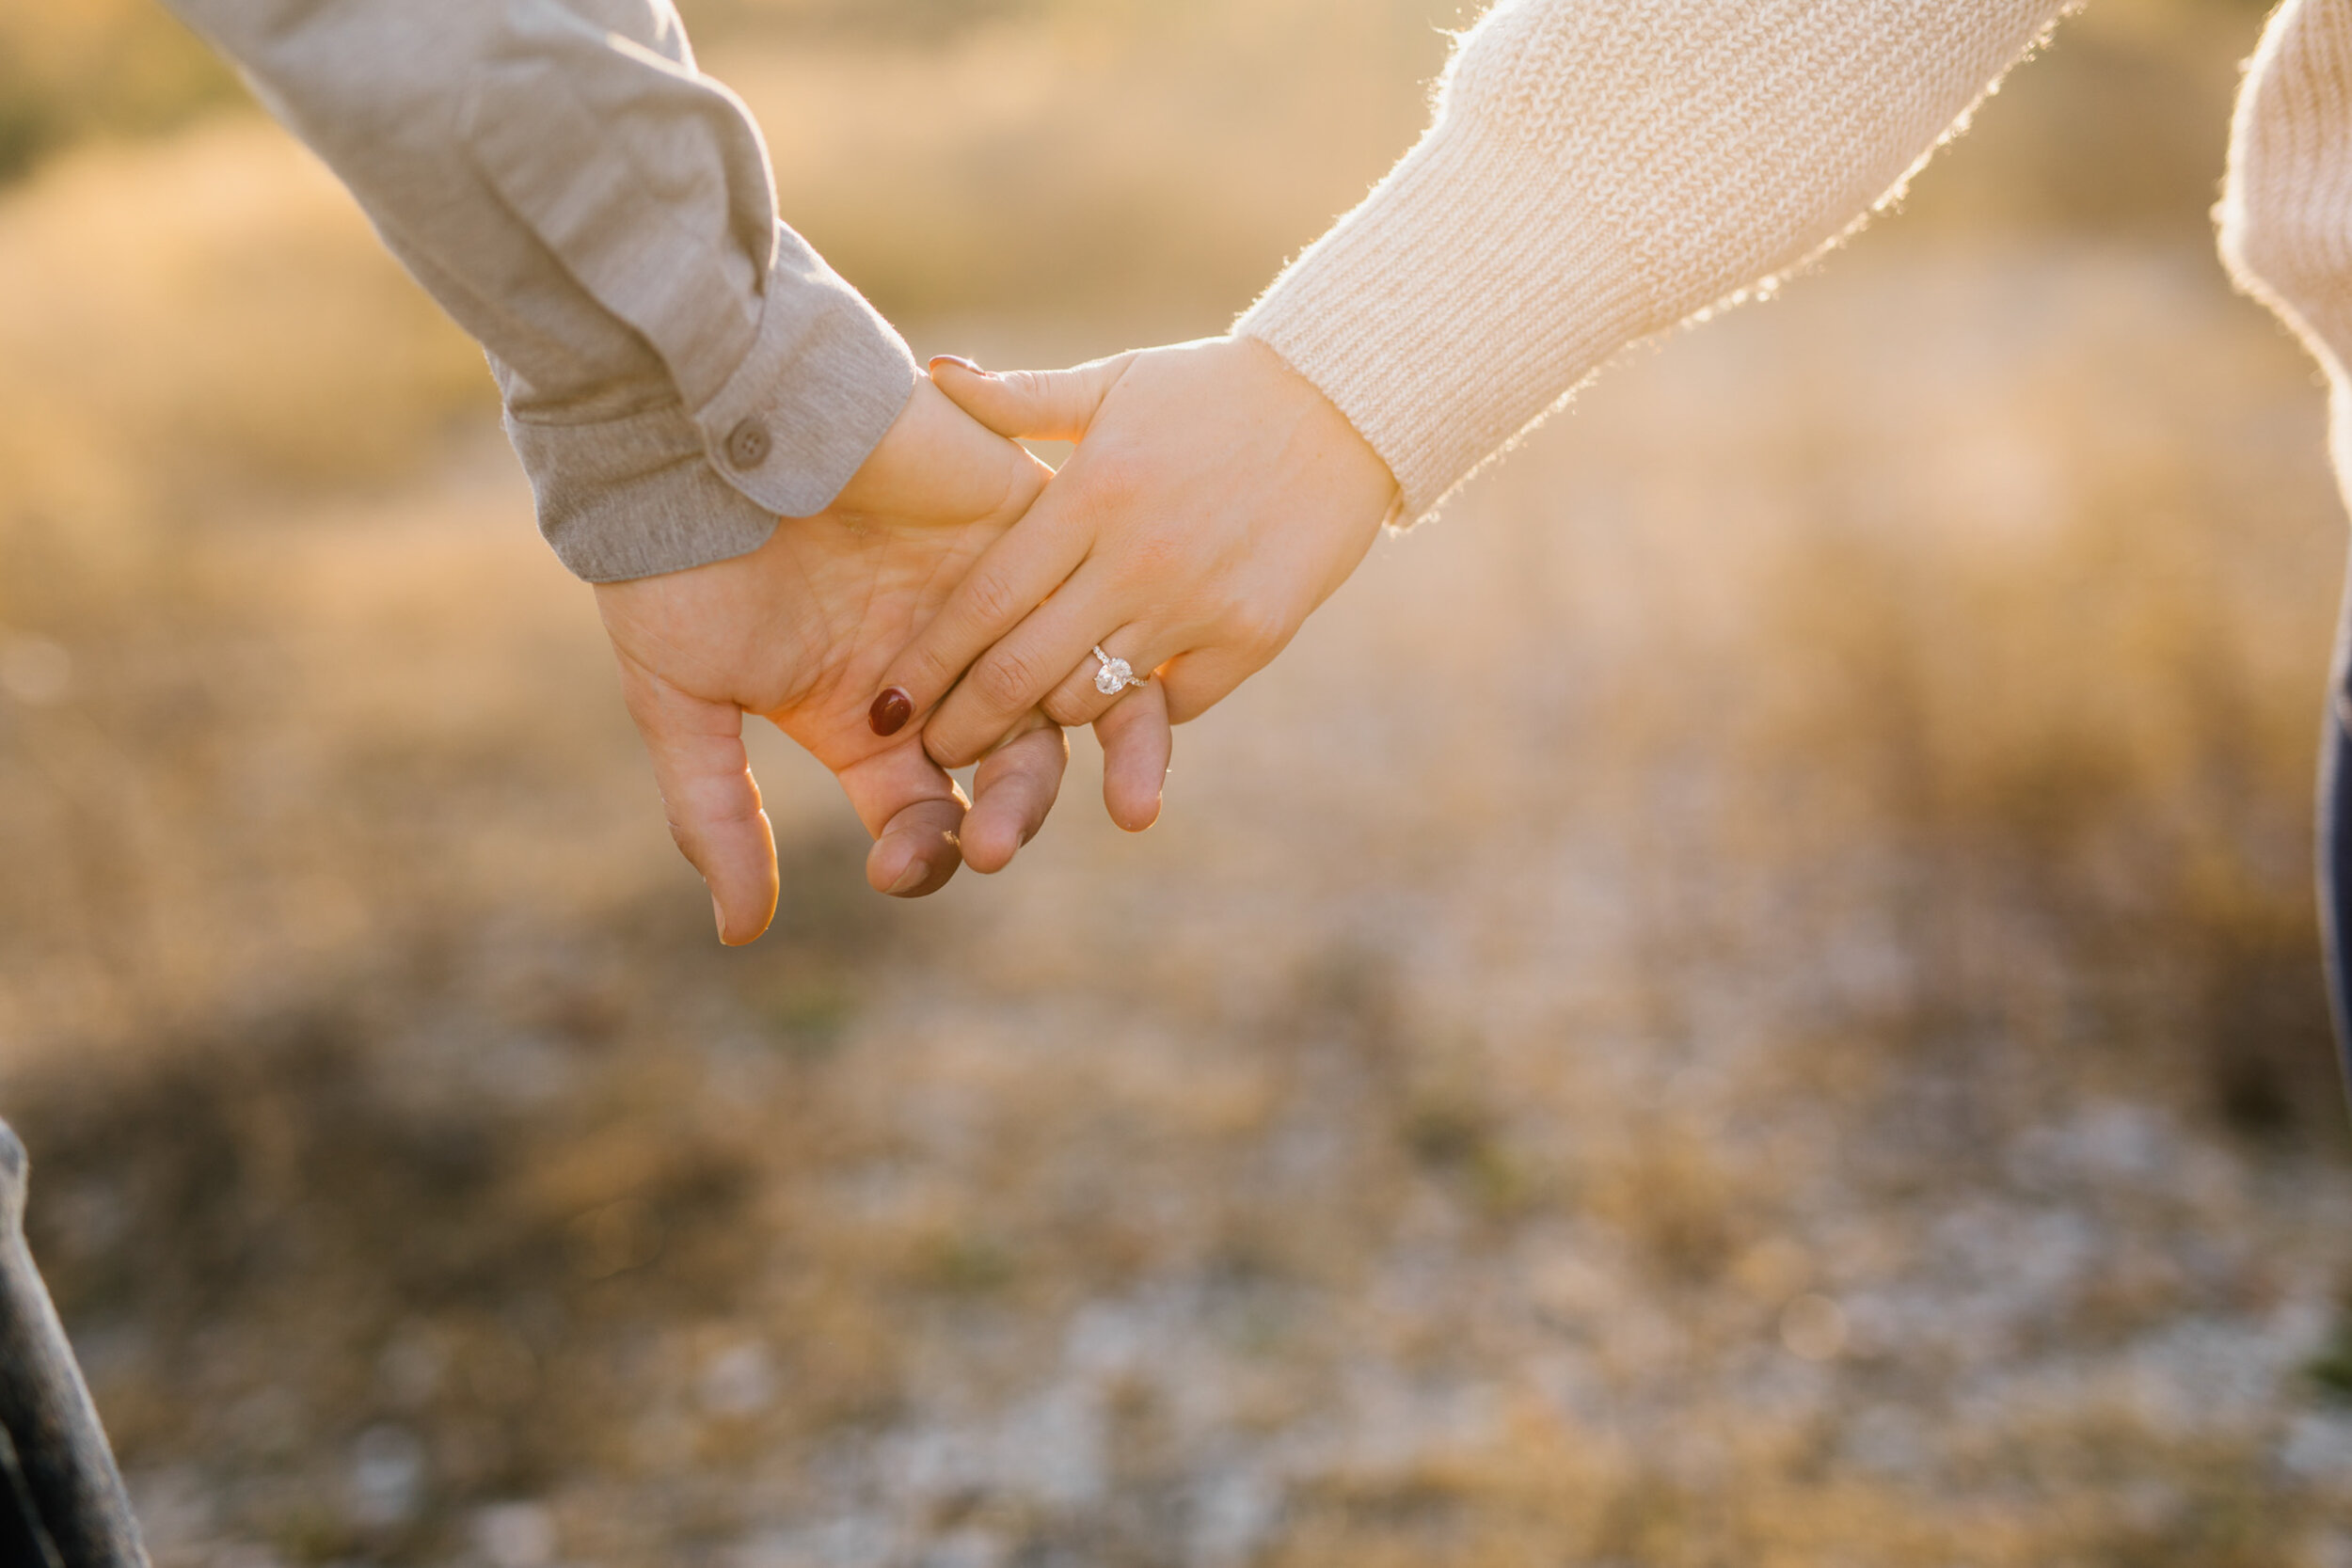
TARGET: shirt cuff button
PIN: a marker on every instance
(747, 444)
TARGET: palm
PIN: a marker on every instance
(799, 631)
(875, 584)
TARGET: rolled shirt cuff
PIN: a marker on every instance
(663, 488)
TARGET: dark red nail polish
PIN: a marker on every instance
(890, 712)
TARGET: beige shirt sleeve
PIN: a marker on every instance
(679, 367)
(1599, 171)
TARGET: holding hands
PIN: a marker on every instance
(798, 632)
(1215, 499)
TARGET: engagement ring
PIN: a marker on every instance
(1116, 675)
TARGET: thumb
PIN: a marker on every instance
(709, 797)
(1035, 405)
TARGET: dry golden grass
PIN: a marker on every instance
(1746, 999)
(98, 68)
(1135, 161)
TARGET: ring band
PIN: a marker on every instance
(1116, 675)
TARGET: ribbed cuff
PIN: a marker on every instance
(1420, 317)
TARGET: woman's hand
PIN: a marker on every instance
(799, 631)
(1216, 499)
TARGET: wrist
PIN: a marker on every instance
(1330, 438)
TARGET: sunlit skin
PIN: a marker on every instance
(799, 631)
(1215, 499)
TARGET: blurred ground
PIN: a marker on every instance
(1747, 998)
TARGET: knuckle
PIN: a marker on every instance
(1005, 680)
(931, 670)
(1070, 708)
(1025, 384)
(991, 598)
(700, 811)
(944, 746)
(1258, 631)
(1049, 397)
(689, 835)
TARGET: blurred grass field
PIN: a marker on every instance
(1748, 997)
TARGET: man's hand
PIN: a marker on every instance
(799, 631)
(1216, 499)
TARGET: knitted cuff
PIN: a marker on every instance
(1419, 318)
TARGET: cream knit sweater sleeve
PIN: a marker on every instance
(2286, 210)
(1599, 171)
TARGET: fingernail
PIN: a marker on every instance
(959, 359)
(909, 880)
(890, 712)
(720, 915)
